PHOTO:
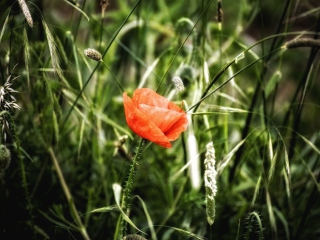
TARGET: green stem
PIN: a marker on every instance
(125, 205)
(114, 76)
(88, 80)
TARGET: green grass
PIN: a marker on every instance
(254, 97)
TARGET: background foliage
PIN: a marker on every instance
(261, 113)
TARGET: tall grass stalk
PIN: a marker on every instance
(65, 188)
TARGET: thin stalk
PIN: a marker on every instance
(79, 21)
(255, 98)
(313, 53)
(208, 94)
(114, 77)
(68, 195)
(91, 75)
(227, 65)
(181, 46)
(125, 205)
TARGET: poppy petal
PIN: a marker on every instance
(154, 117)
(141, 124)
(180, 126)
(149, 97)
(161, 117)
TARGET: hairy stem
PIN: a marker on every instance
(125, 205)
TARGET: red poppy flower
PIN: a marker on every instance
(154, 117)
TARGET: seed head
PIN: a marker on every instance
(104, 4)
(26, 12)
(133, 237)
(93, 54)
(7, 102)
(210, 182)
(178, 83)
(302, 42)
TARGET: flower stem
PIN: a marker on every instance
(125, 205)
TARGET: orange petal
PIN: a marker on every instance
(149, 97)
(180, 126)
(161, 117)
(141, 124)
